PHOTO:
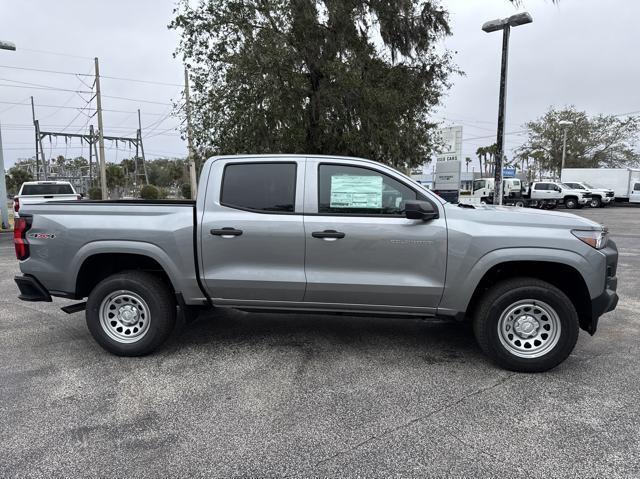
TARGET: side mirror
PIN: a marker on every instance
(557, 188)
(420, 210)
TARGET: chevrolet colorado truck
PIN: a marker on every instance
(321, 234)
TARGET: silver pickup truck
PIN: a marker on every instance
(321, 234)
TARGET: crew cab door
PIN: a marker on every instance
(252, 237)
(361, 252)
(544, 191)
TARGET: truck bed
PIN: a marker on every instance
(64, 234)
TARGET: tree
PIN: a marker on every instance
(115, 176)
(18, 176)
(149, 192)
(355, 77)
(592, 142)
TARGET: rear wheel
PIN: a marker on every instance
(526, 325)
(131, 313)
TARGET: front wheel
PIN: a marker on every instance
(595, 202)
(131, 313)
(571, 203)
(526, 325)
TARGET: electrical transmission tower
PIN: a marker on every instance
(95, 140)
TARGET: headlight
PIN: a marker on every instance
(596, 239)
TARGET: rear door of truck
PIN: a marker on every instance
(252, 232)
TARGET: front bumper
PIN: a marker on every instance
(608, 299)
(31, 289)
(583, 200)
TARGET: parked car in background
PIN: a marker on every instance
(562, 193)
(43, 192)
(321, 234)
(599, 196)
(625, 182)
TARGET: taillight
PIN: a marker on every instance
(16, 204)
(20, 228)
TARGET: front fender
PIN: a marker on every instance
(459, 290)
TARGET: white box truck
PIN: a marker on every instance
(625, 182)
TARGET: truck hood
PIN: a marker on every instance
(510, 215)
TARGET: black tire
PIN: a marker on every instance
(571, 203)
(500, 299)
(145, 295)
(595, 202)
(519, 204)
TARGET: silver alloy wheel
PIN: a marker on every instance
(529, 328)
(594, 203)
(124, 316)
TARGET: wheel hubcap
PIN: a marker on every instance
(529, 328)
(124, 316)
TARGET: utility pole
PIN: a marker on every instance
(37, 137)
(144, 161)
(103, 165)
(564, 124)
(39, 147)
(91, 156)
(4, 211)
(192, 163)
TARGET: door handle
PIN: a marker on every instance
(333, 234)
(226, 232)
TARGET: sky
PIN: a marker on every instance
(576, 52)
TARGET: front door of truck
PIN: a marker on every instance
(252, 232)
(361, 252)
(634, 196)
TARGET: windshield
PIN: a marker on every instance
(47, 190)
(587, 185)
(578, 187)
(479, 184)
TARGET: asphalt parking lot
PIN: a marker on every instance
(255, 395)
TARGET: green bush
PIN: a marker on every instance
(185, 191)
(149, 192)
(95, 193)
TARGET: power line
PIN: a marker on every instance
(136, 100)
(54, 53)
(59, 72)
(14, 103)
(43, 88)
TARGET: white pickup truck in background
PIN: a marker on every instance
(599, 196)
(560, 192)
(42, 192)
(625, 182)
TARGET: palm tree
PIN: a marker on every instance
(481, 152)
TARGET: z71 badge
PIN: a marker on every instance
(41, 235)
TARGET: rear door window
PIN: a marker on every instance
(541, 186)
(259, 187)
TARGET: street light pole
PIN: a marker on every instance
(497, 194)
(505, 25)
(4, 211)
